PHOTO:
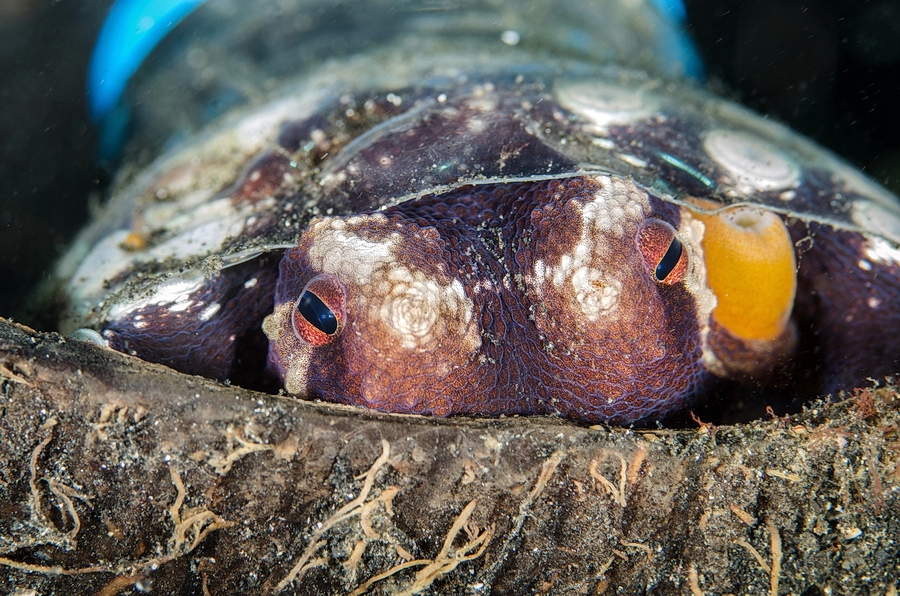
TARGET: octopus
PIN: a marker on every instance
(598, 245)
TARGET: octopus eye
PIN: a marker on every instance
(664, 255)
(317, 313)
(320, 310)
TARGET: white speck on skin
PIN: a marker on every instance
(484, 285)
(539, 272)
(881, 251)
(603, 143)
(210, 311)
(631, 159)
(181, 305)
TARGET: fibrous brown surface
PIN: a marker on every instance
(119, 477)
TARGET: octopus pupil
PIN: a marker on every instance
(317, 313)
(669, 260)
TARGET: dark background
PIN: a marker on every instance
(830, 69)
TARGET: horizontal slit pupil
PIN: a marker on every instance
(669, 261)
(317, 313)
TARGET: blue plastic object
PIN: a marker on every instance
(134, 27)
(674, 9)
(131, 30)
(677, 45)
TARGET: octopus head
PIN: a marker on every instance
(366, 312)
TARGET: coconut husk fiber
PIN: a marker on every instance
(123, 477)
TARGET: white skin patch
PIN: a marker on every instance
(176, 293)
(210, 311)
(181, 305)
(691, 233)
(415, 304)
(616, 203)
(275, 324)
(539, 274)
(346, 254)
(393, 310)
(414, 308)
(754, 164)
(881, 251)
(595, 294)
(296, 353)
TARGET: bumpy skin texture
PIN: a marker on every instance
(517, 299)
(492, 245)
(848, 305)
(213, 331)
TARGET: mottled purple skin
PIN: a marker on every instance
(368, 153)
(536, 355)
(848, 315)
(225, 346)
